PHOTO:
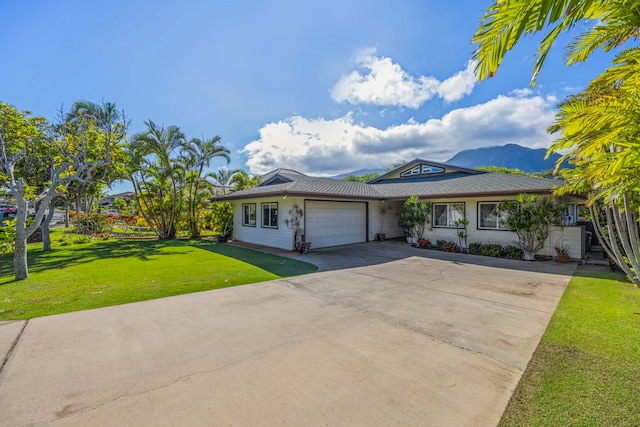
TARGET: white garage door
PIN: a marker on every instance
(335, 223)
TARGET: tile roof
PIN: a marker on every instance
(467, 185)
(454, 185)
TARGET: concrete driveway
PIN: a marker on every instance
(385, 335)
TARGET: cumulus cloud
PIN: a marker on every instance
(385, 83)
(329, 147)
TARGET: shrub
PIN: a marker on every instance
(92, 224)
(446, 246)
(475, 248)
(424, 244)
(512, 252)
(492, 249)
(82, 239)
(8, 237)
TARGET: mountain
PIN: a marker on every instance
(512, 156)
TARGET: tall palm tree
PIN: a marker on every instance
(157, 176)
(197, 154)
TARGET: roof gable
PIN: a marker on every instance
(279, 176)
(419, 169)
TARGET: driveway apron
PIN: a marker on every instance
(383, 335)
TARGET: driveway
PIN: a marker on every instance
(383, 335)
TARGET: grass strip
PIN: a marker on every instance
(586, 369)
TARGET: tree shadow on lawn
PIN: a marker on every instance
(67, 256)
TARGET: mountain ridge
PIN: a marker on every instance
(512, 156)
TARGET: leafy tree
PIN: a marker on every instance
(362, 178)
(501, 169)
(80, 150)
(600, 125)
(396, 165)
(531, 218)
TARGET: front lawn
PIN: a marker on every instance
(109, 272)
(586, 370)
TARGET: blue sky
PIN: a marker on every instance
(321, 87)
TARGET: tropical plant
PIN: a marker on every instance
(241, 180)
(461, 232)
(197, 155)
(157, 177)
(531, 218)
(222, 219)
(222, 180)
(415, 216)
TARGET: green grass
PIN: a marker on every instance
(102, 273)
(586, 370)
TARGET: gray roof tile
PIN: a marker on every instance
(455, 186)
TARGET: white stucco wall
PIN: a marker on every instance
(281, 237)
(571, 236)
(386, 223)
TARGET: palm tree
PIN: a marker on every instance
(610, 24)
(196, 155)
(157, 176)
(222, 179)
(241, 180)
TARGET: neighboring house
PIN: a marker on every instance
(108, 200)
(338, 212)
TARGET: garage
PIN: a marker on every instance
(335, 223)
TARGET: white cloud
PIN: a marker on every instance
(328, 147)
(386, 83)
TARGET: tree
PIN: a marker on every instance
(197, 155)
(362, 178)
(600, 125)
(80, 149)
(531, 218)
(156, 176)
(222, 179)
(608, 25)
(241, 180)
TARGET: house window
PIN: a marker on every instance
(446, 214)
(488, 218)
(270, 215)
(249, 215)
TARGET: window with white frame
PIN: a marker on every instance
(446, 214)
(249, 215)
(270, 215)
(489, 218)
